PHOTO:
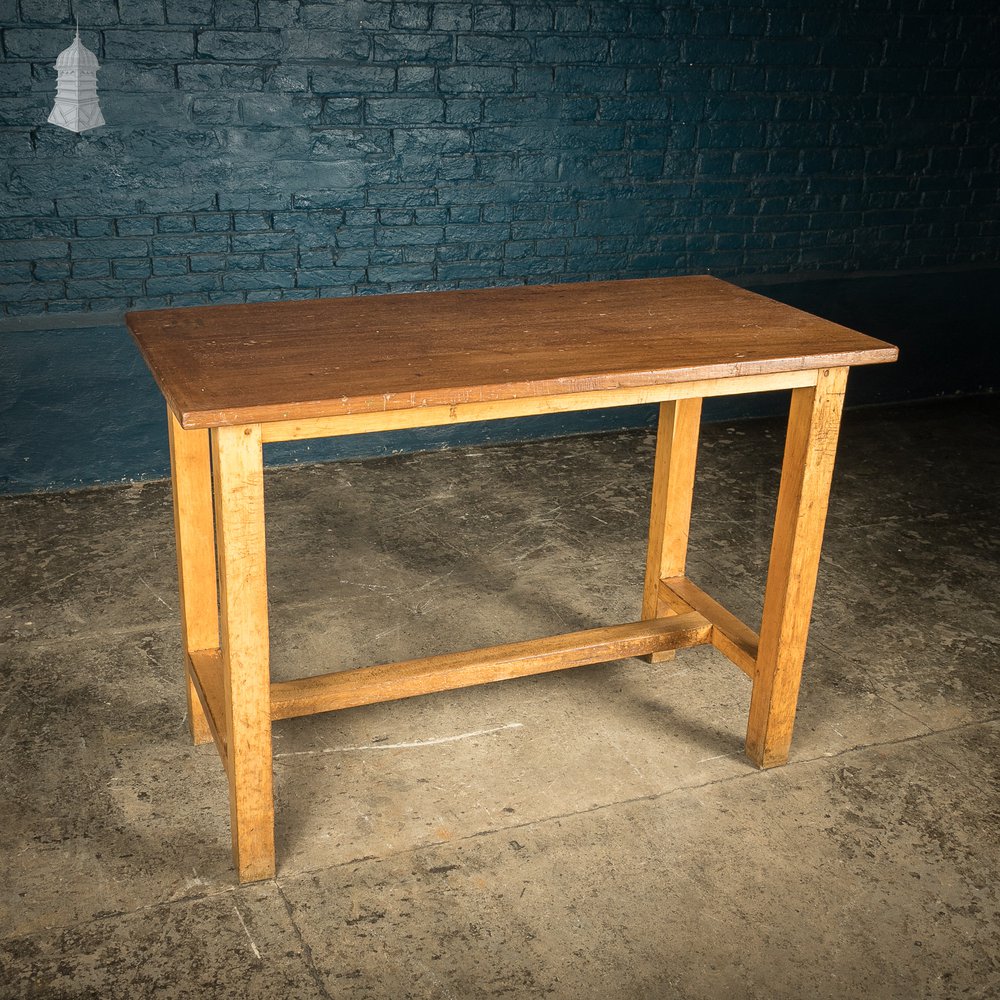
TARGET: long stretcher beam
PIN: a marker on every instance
(406, 679)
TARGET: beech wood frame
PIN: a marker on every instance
(218, 489)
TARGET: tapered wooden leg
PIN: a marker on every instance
(191, 478)
(670, 512)
(239, 518)
(806, 472)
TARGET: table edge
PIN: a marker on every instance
(192, 418)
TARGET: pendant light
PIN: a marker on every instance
(76, 106)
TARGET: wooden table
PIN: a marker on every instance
(235, 377)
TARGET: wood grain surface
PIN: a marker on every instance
(448, 671)
(194, 531)
(803, 496)
(226, 365)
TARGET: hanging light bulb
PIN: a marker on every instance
(76, 106)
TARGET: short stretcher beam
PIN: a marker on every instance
(205, 671)
(408, 678)
(730, 636)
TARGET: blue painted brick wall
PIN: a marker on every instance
(281, 149)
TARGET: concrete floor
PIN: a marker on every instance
(595, 833)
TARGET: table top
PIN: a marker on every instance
(224, 365)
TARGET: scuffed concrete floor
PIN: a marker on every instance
(590, 834)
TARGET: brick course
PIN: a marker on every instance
(286, 149)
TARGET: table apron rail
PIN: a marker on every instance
(459, 413)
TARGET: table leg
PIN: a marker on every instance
(237, 464)
(806, 473)
(191, 480)
(670, 512)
